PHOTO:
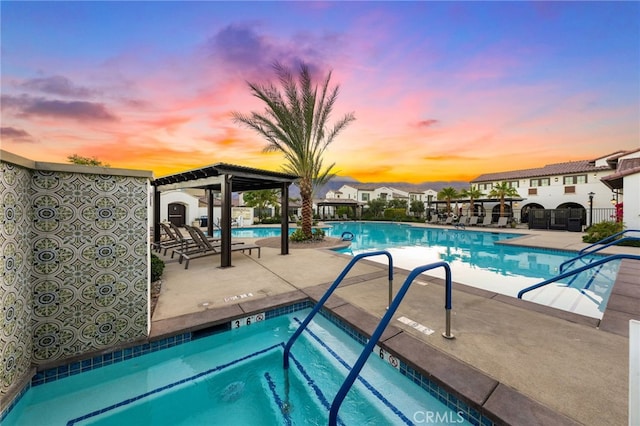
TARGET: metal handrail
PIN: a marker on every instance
(604, 240)
(355, 370)
(577, 271)
(328, 293)
(612, 243)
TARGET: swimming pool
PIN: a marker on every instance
(236, 377)
(478, 259)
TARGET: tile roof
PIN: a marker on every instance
(626, 167)
(548, 170)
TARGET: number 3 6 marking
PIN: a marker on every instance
(247, 320)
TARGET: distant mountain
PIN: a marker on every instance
(337, 182)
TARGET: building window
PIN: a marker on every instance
(569, 189)
(574, 180)
(365, 197)
(513, 184)
(540, 182)
(533, 191)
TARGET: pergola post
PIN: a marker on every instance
(225, 225)
(284, 227)
(156, 215)
(210, 212)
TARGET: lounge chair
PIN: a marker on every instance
(473, 221)
(448, 221)
(487, 220)
(174, 239)
(207, 248)
(502, 222)
(462, 223)
(434, 220)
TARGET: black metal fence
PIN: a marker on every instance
(565, 219)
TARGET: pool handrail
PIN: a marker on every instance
(586, 253)
(328, 293)
(606, 239)
(382, 325)
(577, 271)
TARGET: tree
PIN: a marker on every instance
(397, 204)
(86, 161)
(261, 199)
(473, 193)
(449, 193)
(295, 123)
(501, 191)
(376, 206)
(417, 207)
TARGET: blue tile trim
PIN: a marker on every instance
(56, 373)
(67, 370)
(15, 401)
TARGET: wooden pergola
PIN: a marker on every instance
(225, 179)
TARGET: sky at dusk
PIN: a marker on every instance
(440, 90)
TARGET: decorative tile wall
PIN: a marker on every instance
(74, 265)
(16, 264)
(90, 245)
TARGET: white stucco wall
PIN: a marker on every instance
(189, 201)
(631, 200)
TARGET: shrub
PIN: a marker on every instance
(317, 234)
(601, 230)
(394, 214)
(157, 267)
(297, 235)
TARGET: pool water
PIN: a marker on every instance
(478, 259)
(236, 377)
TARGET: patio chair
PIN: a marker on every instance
(487, 220)
(502, 222)
(207, 248)
(174, 239)
(434, 220)
(448, 221)
(473, 221)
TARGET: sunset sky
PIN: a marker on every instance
(440, 90)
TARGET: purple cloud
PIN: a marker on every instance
(15, 135)
(57, 85)
(427, 123)
(27, 106)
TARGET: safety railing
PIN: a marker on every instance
(582, 253)
(607, 239)
(357, 367)
(577, 271)
(329, 292)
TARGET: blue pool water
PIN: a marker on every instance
(236, 377)
(479, 260)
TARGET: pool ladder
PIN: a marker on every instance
(394, 303)
(608, 241)
(577, 271)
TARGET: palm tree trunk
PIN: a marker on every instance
(306, 193)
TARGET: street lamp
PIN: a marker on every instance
(591, 194)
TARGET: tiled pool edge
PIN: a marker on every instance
(473, 415)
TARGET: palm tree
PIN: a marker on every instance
(295, 123)
(501, 191)
(473, 193)
(449, 193)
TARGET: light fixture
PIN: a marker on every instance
(613, 201)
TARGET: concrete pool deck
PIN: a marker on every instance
(521, 362)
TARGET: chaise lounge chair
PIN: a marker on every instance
(207, 248)
(473, 221)
(173, 239)
(502, 222)
(487, 220)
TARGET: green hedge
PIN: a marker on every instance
(157, 267)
